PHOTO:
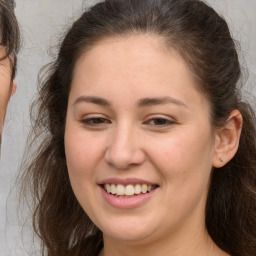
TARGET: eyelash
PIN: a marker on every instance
(100, 121)
(161, 121)
(91, 121)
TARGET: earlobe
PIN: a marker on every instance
(14, 87)
(227, 140)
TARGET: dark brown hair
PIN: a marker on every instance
(203, 39)
(9, 32)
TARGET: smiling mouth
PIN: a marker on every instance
(123, 191)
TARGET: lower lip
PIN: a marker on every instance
(129, 202)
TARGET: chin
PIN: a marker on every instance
(128, 231)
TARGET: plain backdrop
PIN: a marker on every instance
(42, 21)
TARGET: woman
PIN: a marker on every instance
(146, 147)
(10, 40)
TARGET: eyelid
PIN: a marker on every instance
(169, 119)
(91, 120)
(163, 116)
(93, 117)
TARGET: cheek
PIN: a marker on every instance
(183, 155)
(82, 152)
(80, 162)
(184, 163)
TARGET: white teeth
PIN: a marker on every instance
(113, 189)
(129, 190)
(137, 189)
(108, 188)
(144, 188)
(120, 190)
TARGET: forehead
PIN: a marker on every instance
(137, 64)
(136, 53)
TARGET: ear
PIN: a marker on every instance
(227, 139)
(14, 87)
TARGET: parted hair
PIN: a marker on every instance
(9, 32)
(203, 39)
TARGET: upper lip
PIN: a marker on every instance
(126, 181)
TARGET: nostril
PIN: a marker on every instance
(124, 158)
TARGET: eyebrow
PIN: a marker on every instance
(94, 100)
(145, 102)
(160, 101)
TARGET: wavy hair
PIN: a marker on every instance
(203, 39)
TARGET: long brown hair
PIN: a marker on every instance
(203, 39)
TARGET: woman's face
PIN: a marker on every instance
(138, 127)
(5, 85)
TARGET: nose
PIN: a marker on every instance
(123, 150)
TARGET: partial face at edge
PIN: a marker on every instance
(135, 116)
(6, 87)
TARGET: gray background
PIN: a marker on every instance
(41, 21)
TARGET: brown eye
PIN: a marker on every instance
(94, 121)
(160, 122)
